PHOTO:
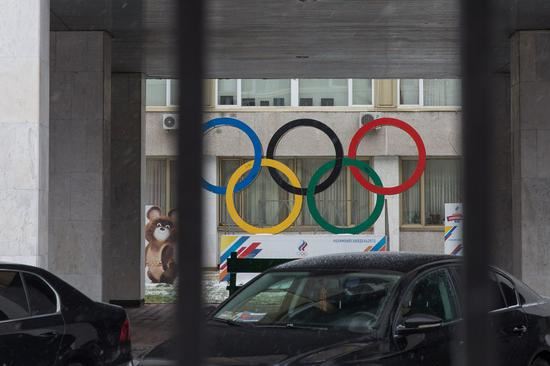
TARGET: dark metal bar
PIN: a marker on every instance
(190, 341)
(477, 126)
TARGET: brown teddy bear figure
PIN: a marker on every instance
(160, 252)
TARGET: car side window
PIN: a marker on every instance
(508, 291)
(42, 299)
(432, 294)
(496, 296)
(13, 301)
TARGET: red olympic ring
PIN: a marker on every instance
(356, 139)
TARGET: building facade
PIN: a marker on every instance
(415, 217)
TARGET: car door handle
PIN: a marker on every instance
(53, 333)
(520, 330)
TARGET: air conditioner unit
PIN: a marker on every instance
(367, 117)
(170, 121)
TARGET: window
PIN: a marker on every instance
(496, 297)
(362, 91)
(264, 203)
(430, 92)
(424, 203)
(294, 92)
(160, 183)
(508, 291)
(350, 301)
(155, 92)
(13, 301)
(409, 92)
(265, 92)
(42, 299)
(323, 92)
(227, 91)
(174, 92)
(161, 92)
(432, 295)
(442, 92)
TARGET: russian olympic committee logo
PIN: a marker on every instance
(252, 169)
(302, 249)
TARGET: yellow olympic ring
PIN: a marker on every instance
(230, 202)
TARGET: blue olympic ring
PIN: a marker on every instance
(256, 167)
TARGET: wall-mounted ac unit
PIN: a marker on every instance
(170, 121)
(367, 117)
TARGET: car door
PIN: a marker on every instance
(28, 336)
(431, 294)
(508, 322)
(13, 308)
(46, 327)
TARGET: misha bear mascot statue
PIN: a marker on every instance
(160, 252)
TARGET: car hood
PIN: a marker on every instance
(250, 345)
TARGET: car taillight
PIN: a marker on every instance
(125, 332)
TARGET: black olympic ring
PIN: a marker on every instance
(305, 122)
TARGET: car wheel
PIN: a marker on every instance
(540, 362)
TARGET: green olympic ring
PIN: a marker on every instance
(344, 230)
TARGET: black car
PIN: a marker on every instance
(44, 322)
(368, 309)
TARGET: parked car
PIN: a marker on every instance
(368, 309)
(44, 321)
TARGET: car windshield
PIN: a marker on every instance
(351, 301)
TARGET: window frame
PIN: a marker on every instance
(57, 297)
(168, 97)
(421, 103)
(167, 160)
(294, 97)
(221, 227)
(422, 226)
(518, 304)
(415, 280)
(420, 95)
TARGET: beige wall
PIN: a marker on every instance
(440, 131)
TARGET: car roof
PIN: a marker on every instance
(389, 261)
(20, 267)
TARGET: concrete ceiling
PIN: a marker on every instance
(288, 38)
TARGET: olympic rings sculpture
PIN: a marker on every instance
(252, 169)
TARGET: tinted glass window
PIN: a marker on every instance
(13, 302)
(508, 291)
(42, 298)
(432, 295)
(343, 301)
(496, 300)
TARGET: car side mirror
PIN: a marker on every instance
(418, 323)
(209, 309)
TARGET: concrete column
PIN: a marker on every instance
(80, 158)
(24, 130)
(387, 168)
(123, 258)
(530, 78)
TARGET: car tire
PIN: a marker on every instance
(540, 362)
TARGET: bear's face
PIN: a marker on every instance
(160, 230)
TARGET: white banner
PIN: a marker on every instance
(294, 246)
(453, 228)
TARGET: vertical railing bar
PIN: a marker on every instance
(477, 125)
(189, 336)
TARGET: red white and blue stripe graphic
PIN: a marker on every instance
(243, 251)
